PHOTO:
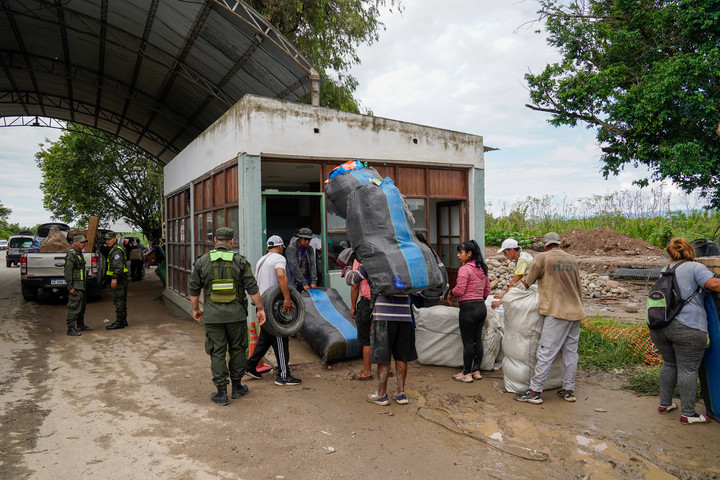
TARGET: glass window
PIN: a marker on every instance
(335, 222)
(219, 218)
(209, 232)
(233, 220)
(199, 227)
(336, 243)
(417, 208)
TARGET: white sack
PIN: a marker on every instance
(437, 337)
(523, 326)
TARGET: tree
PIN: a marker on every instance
(646, 76)
(328, 33)
(101, 175)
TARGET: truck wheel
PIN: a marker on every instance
(8, 263)
(28, 293)
(97, 294)
(277, 323)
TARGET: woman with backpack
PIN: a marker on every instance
(682, 343)
(471, 290)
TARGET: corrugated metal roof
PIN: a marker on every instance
(154, 72)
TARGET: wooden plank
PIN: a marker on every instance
(91, 233)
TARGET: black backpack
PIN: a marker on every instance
(664, 300)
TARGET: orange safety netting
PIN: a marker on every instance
(638, 340)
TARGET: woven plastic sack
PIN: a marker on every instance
(523, 326)
(438, 342)
(380, 230)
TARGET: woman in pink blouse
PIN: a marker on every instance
(471, 290)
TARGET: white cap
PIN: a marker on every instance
(275, 241)
(507, 244)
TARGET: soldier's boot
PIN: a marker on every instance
(73, 332)
(83, 328)
(115, 326)
(220, 397)
(238, 390)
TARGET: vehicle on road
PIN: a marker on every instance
(17, 245)
(3, 244)
(45, 270)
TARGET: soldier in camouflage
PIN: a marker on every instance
(117, 269)
(76, 280)
(225, 276)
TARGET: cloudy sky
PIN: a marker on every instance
(457, 65)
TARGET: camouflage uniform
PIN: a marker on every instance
(225, 323)
(76, 277)
(117, 269)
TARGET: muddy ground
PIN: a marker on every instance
(134, 404)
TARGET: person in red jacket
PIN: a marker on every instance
(471, 290)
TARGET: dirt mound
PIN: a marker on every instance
(604, 242)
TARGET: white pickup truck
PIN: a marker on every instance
(45, 270)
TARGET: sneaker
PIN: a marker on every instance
(377, 400)
(461, 377)
(667, 408)
(289, 380)
(476, 375)
(529, 396)
(401, 398)
(697, 418)
(567, 395)
(253, 372)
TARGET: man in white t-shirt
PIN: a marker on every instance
(270, 271)
(511, 249)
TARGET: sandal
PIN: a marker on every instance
(362, 378)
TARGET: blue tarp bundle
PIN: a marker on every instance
(328, 327)
(380, 229)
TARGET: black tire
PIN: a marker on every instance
(97, 294)
(277, 323)
(28, 293)
(8, 263)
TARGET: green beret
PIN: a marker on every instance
(224, 233)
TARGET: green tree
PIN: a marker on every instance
(328, 33)
(101, 175)
(646, 76)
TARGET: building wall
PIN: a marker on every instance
(263, 126)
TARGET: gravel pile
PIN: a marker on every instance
(594, 285)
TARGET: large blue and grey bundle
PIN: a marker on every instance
(345, 179)
(328, 328)
(380, 229)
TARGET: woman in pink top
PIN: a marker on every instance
(471, 289)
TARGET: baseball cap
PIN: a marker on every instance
(305, 233)
(508, 243)
(109, 235)
(275, 241)
(79, 238)
(551, 238)
(224, 233)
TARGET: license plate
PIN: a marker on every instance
(57, 281)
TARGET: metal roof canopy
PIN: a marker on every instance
(154, 72)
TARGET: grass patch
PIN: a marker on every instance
(600, 353)
(644, 381)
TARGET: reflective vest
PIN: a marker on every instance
(223, 289)
(78, 267)
(109, 260)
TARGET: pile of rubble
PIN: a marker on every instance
(501, 273)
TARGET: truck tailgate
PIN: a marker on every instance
(46, 265)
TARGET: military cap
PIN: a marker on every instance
(109, 235)
(224, 233)
(80, 238)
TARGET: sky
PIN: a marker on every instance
(457, 65)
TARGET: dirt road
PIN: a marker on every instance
(134, 404)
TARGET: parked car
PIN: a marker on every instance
(17, 245)
(3, 244)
